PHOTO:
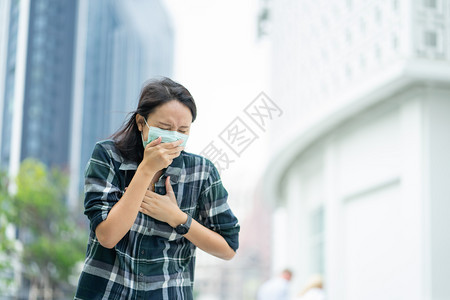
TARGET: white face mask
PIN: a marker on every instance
(167, 136)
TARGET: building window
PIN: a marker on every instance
(395, 5)
(377, 52)
(324, 22)
(324, 54)
(349, 4)
(348, 36)
(362, 62)
(394, 42)
(348, 71)
(430, 39)
(430, 3)
(316, 237)
(362, 25)
(377, 15)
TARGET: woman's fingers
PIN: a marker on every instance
(171, 151)
(173, 155)
(145, 207)
(175, 150)
(154, 143)
(148, 202)
(150, 195)
(171, 145)
(151, 205)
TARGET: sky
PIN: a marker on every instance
(222, 63)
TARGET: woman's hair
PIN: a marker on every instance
(314, 282)
(128, 138)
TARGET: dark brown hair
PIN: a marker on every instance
(154, 93)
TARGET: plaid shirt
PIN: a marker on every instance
(151, 261)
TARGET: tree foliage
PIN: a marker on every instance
(7, 245)
(53, 243)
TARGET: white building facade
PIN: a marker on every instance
(361, 166)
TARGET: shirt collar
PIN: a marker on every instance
(174, 169)
(128, 165)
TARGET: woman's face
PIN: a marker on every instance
(172, 115)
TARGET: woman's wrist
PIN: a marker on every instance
(145, 171)
(179, 218)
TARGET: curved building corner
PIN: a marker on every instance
(362, 178)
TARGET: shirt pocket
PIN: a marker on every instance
(189, 201)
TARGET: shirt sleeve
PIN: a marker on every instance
(100, 188)
(215, 213)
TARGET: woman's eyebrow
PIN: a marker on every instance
(169, 125)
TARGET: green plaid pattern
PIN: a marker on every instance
(151, 261)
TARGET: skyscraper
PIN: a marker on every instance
(70, 71)
(36, 67)
(36, 99)
(120, 44)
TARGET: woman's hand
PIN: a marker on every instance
(163, 207)
(158, 156)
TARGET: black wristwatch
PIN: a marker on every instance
(184, 228)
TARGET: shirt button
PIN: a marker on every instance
(141, 274)
(142, 252)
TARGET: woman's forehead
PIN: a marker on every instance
(172, 112)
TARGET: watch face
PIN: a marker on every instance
(184, 228)
(181, 229)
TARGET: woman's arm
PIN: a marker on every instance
(165, 208)
(209, 241)
(123, 214)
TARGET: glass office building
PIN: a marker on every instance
(36, 75)
(70, 72)
(36, 100)
(10, 19)
(119, 46)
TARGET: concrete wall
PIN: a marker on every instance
(367, 202)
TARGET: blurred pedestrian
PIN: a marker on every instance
(313, 289)
(276, 288)
(150, 204)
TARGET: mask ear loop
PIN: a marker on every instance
(146, 123)
(142, 138)
(142, 133)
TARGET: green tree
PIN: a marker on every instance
(53, 243)
(7, 244)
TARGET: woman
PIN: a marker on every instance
(150, 204)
